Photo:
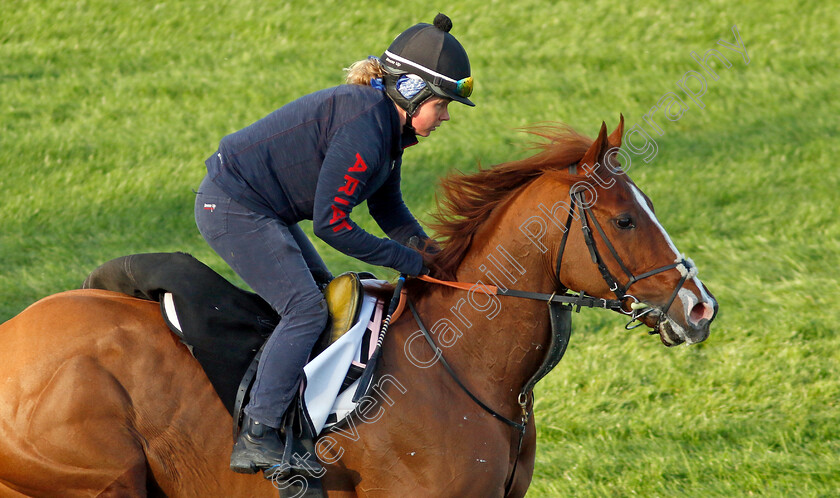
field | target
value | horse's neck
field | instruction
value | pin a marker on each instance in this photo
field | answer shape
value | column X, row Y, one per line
column 490, row 338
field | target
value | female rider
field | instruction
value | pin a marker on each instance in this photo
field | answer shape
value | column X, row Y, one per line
column 317, row 158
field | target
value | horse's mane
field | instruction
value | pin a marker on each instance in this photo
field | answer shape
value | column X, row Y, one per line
column 469, row 199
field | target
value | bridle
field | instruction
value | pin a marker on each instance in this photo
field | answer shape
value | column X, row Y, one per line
column 682, row 264
column 560, row 307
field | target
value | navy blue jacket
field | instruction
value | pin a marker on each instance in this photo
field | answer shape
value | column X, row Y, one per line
column 317, row 158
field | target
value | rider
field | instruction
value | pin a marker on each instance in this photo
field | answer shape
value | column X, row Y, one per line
column 317, row 158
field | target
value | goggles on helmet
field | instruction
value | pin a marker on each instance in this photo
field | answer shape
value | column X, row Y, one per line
column 464, row 86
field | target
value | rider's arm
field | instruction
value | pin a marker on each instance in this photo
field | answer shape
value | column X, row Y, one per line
column 349, row 170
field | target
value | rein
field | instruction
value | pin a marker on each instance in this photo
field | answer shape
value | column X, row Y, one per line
column 580, row 300
column 559, row 306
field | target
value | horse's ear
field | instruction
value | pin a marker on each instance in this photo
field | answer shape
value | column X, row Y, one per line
column 615, row 137
column 598, row 148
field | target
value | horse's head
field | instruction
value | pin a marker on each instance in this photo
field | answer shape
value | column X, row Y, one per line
column 616, row 248
column 605, row 240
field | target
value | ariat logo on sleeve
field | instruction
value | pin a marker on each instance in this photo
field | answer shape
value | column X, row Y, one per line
column 340, row 202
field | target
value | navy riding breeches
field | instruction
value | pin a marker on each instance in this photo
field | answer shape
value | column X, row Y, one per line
column 278, row 262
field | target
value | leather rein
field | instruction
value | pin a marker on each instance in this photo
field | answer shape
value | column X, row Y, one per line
column 560, row 306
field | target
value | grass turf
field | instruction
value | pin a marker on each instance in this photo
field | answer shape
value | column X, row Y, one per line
column 108, row 109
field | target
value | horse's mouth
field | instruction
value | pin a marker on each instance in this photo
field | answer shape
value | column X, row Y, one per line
column 671, row 332
column 667, row 334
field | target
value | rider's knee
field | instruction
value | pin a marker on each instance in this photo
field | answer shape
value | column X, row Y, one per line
column 314, row 311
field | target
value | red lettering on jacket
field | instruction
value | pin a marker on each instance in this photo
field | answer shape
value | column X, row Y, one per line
column 359, row 165
column 349, row 186
column 341, row 225
column 348, row 189
column 337, row 215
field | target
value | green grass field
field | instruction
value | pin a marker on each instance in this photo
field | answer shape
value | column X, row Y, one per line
column 109, row 108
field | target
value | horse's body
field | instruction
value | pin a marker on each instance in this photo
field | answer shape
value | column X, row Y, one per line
column 90, row 380
column 99, row 398
column 122, row 408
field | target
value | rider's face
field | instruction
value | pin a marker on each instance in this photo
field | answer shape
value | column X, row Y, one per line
column 430, row 115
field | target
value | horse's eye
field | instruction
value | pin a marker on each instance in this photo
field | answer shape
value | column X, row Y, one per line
column 624, row 222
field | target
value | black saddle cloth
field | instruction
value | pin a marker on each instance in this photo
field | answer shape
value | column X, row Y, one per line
column 225, row 325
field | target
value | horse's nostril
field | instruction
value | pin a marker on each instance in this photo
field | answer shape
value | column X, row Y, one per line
column 701, row 311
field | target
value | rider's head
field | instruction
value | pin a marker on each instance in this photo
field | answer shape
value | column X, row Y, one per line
column 426, row 61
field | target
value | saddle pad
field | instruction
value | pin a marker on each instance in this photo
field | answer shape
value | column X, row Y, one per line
column 326, row 374
column 222, row 325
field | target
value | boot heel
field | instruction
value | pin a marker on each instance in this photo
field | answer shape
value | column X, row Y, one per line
column 242, row 465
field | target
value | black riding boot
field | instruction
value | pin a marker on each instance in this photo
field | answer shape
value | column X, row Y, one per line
column 257, row 447
column 261, row 447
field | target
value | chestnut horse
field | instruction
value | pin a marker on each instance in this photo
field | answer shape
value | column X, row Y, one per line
column 99, row 398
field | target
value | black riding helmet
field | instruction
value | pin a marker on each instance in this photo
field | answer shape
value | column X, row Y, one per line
column 429, row 52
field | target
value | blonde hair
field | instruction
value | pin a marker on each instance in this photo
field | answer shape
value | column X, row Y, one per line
column 361, row 72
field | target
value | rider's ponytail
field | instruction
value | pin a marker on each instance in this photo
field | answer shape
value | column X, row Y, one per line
column 361, row 72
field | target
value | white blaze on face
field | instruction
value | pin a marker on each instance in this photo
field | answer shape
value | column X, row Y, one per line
column 687, row 298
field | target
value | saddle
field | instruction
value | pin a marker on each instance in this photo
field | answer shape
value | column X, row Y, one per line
column 225, row 327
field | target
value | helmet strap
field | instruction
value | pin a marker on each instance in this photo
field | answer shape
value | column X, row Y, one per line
column 411, row 105
column 408, row 127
